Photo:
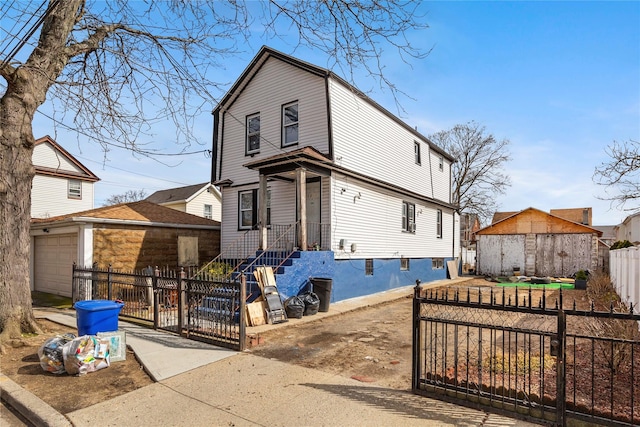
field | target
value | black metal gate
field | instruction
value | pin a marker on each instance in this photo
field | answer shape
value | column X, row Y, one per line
column 505, row 352
column 199, row 307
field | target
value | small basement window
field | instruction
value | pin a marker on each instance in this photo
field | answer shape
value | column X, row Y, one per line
column 404, row 264
column 437, row 263
column 368, row 267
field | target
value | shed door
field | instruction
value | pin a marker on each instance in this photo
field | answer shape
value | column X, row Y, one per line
column 53, row 263
column 499, row 254
column 561, row 255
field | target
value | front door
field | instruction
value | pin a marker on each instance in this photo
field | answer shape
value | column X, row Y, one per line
column 314, row 201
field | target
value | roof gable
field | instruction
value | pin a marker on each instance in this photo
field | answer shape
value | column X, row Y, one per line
column 180, row 194
column 535, row 221
column 267, row 53
column 63, row 165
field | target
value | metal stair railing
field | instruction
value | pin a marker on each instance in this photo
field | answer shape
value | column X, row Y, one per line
column 234, row 255
column 275, row 258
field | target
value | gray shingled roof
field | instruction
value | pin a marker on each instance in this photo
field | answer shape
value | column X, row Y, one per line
column 175, row 194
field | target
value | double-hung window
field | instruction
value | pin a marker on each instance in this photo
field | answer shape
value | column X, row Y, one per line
column 439, row 224
column 248, row 209
column 290, row 124
column 408, row 217
column 74, row 189
column 208, row 211
column 253, row 134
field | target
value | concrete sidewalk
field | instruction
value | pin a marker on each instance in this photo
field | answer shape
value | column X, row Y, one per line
column 199, row 384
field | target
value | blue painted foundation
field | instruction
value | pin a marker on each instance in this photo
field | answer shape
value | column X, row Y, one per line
column 310, row 264
column 349, row 279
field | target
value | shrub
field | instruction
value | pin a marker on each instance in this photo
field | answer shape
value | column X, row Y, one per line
column 621, row 244
column 521, row 363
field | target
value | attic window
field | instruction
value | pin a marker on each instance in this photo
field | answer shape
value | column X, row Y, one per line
column 208, row 211
column 74, row 189
column 441, row 163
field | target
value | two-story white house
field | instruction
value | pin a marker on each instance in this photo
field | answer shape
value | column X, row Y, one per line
column 61, row 184
column 202, row 200
column 310, row 166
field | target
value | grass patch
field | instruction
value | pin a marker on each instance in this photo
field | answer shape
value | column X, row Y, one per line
column 537, row 285
column 42, row 299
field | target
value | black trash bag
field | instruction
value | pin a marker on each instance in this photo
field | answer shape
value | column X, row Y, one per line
column 311, row 303
column 294, row 306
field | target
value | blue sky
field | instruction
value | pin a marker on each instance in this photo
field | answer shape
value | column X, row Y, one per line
column 560, row 80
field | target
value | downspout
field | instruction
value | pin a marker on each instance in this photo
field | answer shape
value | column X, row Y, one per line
column 214, row 146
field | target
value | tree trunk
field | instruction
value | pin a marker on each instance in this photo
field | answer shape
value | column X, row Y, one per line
column 27, row 87
column 16, row 174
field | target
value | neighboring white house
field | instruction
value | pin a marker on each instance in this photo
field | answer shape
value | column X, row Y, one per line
column 377, row 211
column 630, row 229
column 202, row 200
column 61, row 184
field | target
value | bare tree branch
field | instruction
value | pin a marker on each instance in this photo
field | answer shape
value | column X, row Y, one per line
column 621, row 174
column 477, row 173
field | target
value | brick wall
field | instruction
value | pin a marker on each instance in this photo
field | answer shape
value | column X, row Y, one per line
column 129, row 248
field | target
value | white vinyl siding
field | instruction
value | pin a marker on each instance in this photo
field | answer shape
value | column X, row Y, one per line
column 369, row 142
column 276, row 84
column 195, row 206
column 368, row 222
column 45, row 155
column 49, row 197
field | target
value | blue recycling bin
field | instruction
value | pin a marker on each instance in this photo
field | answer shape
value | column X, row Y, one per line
column 95, row 316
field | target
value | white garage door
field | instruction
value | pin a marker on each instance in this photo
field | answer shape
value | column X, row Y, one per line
column 54, row 258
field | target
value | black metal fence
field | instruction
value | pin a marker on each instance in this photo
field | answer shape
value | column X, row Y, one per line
column 514, row 353
column 198, row 306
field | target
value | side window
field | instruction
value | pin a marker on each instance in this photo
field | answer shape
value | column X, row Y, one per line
column 416, row 152
column 253, row 134
column 208, row 211
column 437, row 263
column 290, row 124
column 408, row 217
column 439, row 224
column 74, row 189
column 441, row 163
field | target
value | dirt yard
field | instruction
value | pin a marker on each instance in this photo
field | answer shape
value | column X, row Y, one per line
column 64, row 392
column 370, row 345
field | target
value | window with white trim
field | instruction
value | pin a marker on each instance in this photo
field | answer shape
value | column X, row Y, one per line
column 248, row 209
column 437, row 263
column 416, row 152
column 290, row 124
column 404, row 264
column 441, row 163
column 253, row 134
column 208, row 211
column 74, row 189
column 439, row 224
column 408, row 217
